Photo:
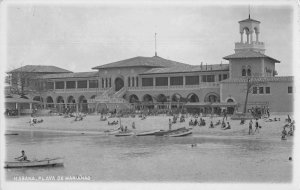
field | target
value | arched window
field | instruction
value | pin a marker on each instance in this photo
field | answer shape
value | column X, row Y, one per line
column 249, row 71
column 128, row 81
column 243, row 71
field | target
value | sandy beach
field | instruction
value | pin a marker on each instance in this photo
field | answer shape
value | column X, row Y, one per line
column 91, row 124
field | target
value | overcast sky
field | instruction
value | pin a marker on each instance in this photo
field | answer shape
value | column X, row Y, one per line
column 81, row 37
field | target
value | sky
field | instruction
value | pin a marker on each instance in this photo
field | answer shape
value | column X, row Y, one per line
column 79, row 37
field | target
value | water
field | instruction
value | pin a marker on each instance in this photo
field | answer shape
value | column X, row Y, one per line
column 154, row 159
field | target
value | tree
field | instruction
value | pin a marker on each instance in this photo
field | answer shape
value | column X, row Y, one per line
column 23, row 83
column 251, row 83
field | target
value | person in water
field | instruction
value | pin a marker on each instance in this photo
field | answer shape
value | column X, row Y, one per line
column 23, row 157
column 170, row 124
column 211, row 125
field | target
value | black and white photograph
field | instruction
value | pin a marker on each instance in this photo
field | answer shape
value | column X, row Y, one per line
column 149, row 94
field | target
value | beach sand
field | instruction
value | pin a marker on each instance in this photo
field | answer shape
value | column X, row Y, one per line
column 91, row 124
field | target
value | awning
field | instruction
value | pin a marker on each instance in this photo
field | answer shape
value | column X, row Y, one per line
column 209, row 104
column 198, row 104
column 224, row 104
column 19, row 100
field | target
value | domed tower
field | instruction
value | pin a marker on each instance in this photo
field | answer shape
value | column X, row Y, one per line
column 250, row 28
column 249, row 58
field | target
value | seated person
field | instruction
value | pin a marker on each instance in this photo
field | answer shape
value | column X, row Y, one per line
column 23, row 157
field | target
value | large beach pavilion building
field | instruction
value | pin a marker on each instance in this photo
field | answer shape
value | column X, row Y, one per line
column 158, row 83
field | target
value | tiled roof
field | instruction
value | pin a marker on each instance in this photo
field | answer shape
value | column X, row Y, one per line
column 188, row 68
column 40, row 69
column 70, row 75
column 260, row 79
column 154, row 61
column 249, row 19
column 249, row 54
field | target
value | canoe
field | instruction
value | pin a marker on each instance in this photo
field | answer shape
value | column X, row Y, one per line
column 35, row 163
column 123, row 134
column 112, row 131
column 163, row 132
column 146, row 133
column 180, row 133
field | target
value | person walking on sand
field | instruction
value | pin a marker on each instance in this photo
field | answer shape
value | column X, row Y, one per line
column 250, row 127
column 256, row 126
column 170, row 124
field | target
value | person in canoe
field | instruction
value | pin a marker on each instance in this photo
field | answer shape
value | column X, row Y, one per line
column 23, row 157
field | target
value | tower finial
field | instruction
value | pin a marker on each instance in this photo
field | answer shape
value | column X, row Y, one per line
column 249, row 10
column 155, row 45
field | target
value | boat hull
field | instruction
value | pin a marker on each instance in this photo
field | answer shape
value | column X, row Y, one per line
column 181, row 134
column 36, row 163
column 163, row 133
column 148, row 133
column 124, row 134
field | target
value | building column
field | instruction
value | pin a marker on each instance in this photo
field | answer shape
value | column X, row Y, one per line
column 183, row 81
column 242, row 40
column 88, row 84
column 154, row 82
column 30, row 106
column 76, row 85
column 248, row 38
column 54, row 86
column 256, row 34
column 169, row 82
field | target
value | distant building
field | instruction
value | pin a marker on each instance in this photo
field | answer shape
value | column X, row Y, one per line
column 158, row 83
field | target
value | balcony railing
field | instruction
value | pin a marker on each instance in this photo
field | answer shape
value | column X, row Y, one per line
column 201, row 85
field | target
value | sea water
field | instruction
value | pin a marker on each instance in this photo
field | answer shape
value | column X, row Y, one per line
column 107, row 158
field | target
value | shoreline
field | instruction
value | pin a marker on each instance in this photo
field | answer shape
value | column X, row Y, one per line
column 92, row 125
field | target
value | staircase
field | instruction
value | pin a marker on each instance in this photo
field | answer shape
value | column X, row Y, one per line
column 112, row 99
column 120, row 93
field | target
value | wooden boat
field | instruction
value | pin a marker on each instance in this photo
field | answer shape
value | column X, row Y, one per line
column 35, row 163
column 112, row 131
column 147, row 133
column 163, row 132
column 123, row 134
column 180, row 133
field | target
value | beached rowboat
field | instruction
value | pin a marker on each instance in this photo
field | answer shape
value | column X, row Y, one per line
column 163, row 132
column 147, row 133
column 180, row 133
column 35, row 163
column 123, row 134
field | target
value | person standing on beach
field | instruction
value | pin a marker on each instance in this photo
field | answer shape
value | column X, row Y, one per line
column 256, row 126
column 170, row 124
column 225, row 115
column 250, row 127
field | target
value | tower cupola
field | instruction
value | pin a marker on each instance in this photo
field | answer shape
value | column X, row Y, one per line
column 249, row 29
